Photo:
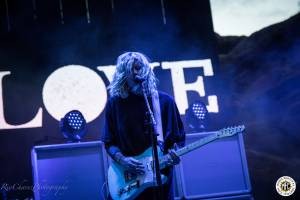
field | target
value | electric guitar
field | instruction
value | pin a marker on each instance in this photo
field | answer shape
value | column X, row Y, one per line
column 126, row 185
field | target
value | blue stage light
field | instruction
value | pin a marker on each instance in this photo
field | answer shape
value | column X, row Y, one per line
column 73, row 126
column 196, row 117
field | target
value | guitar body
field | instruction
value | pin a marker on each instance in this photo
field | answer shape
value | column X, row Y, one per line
column 125, row 185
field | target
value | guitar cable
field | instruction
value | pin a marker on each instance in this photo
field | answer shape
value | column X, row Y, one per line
column 102, row 190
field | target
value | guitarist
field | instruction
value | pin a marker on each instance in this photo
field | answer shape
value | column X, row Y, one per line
column 126, row 133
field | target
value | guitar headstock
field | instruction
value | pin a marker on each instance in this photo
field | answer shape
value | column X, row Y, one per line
column 230, row 131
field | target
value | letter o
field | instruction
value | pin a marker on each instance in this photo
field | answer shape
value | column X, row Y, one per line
column 74, row 87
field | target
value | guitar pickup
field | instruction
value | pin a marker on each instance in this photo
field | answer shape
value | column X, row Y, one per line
column 128, row 176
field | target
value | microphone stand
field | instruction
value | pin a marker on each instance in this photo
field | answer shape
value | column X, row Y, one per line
column 154, row 134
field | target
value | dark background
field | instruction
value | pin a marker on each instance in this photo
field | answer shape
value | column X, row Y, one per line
column 256, row 78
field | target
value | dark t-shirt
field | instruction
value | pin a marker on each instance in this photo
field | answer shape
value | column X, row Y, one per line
column 126, row 128
column 125, row 124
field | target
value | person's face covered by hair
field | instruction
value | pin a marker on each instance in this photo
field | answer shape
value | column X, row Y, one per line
column 129, row 65
column 136, row 68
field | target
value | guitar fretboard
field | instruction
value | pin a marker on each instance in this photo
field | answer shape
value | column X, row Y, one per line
column 225, row 132
column 190, row 147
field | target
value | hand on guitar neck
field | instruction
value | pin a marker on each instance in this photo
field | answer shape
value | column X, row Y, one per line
column 173, row 158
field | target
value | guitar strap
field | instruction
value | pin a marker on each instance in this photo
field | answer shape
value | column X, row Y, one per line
column 157, row 116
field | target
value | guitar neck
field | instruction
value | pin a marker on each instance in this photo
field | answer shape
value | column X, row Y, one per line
column 188, row 148
column 195, row 145
column 225, row 132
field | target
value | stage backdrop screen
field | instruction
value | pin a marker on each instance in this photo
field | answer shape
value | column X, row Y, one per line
column 56, row 56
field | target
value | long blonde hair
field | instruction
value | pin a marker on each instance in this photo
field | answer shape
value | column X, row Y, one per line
column 118, row 86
